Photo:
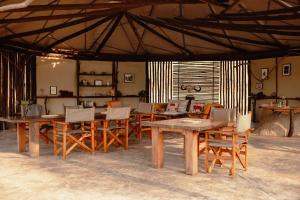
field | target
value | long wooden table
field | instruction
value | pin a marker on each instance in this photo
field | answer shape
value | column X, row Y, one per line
column 285, row 109
column 34, row 124
column 190, row 128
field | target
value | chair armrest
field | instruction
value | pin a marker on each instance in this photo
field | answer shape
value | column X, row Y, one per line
column 60, row 122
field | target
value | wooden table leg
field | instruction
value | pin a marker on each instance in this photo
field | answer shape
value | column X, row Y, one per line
column 191, row 152
column 34, row 139
column 157, row 148
column 291, row 129
column 21, row 137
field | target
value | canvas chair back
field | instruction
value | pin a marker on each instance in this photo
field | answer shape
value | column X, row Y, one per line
column 118, row 113
column 80, row 114
column 114, row 104
column 243, row 123
column 33, row 110
column 208, row 107
column 222, row 114
column 72, row 107
column 144, row 108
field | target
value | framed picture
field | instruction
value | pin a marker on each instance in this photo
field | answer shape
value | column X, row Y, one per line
column 286, row 69
column 259, row 86
column 98, row 82
column 53, row 90
column 264, row 73
column 128, row 78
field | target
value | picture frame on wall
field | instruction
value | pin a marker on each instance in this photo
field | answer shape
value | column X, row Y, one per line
column 264, row 73
column 128, row 78
column 286, row 69
column 259, row 86
column 53, row 90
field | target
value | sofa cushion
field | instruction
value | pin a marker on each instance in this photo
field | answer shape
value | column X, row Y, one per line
column 196, row 106
column 182, row 107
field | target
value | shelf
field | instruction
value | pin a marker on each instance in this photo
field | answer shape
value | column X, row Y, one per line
column 81, row 74
column 95, row 85
column 56, row 97
column 95, row 96
column 128, row 96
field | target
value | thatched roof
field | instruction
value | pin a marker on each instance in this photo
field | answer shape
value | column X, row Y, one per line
column 154, row 29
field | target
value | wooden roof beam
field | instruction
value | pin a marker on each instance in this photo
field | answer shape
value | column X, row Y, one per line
column 207, row 39
column 259, row 13
column 109, row 33
column 87, row 29
column 124, row 4
column 236, row 38
column 51, row 28
column 137, row 20
column 267, row 29
column 64, row 16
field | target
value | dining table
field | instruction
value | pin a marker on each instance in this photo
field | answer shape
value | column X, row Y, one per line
column 190, row 129
column 34, row 124
column 284, row 109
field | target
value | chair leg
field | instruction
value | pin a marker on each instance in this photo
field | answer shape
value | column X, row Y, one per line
column 206, row 152
column 93, row 144
column 104, row 140
column 126, row 135
column 246, row 156
column 55, row 142
column 232, row 169
column 64, row 145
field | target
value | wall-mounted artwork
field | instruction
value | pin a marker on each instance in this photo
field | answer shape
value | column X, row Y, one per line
column 128, row 78
column 286, row 69
column 53, row 90
column 264, row 73
column 259, row 86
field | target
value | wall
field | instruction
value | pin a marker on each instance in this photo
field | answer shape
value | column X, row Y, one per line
column 285, row 83
column 63, row 75
column 276, row 124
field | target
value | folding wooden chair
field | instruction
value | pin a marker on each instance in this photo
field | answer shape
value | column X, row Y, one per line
column 217, row 114
column 36, row 110
column 114, row 104
column 65, row 139
column 235, row 145
column 144, row 113
column 114, row 128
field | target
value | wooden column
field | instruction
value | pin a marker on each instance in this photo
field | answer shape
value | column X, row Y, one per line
column 157, row 148
column 291, row 129
column 276, row 78
column 191, row 152
column 34, row 139
column 21, row 137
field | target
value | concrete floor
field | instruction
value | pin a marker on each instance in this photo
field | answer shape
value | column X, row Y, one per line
column 274, row 173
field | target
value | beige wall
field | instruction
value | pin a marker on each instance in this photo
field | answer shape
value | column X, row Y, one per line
column 288, row 86
column 63, row 75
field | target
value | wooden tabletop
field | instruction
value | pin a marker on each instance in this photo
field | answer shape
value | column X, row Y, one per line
column 46, row 118
column 187, row 123
column 276, row 108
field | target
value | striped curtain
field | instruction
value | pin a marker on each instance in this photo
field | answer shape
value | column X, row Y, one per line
column 160, row 81
column 17, row 72
column 234, row 85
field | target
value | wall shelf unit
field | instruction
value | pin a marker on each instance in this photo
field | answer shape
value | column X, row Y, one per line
column 86, row 88
column 101, row 74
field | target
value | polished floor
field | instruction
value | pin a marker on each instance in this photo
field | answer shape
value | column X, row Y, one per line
column 273, row 174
